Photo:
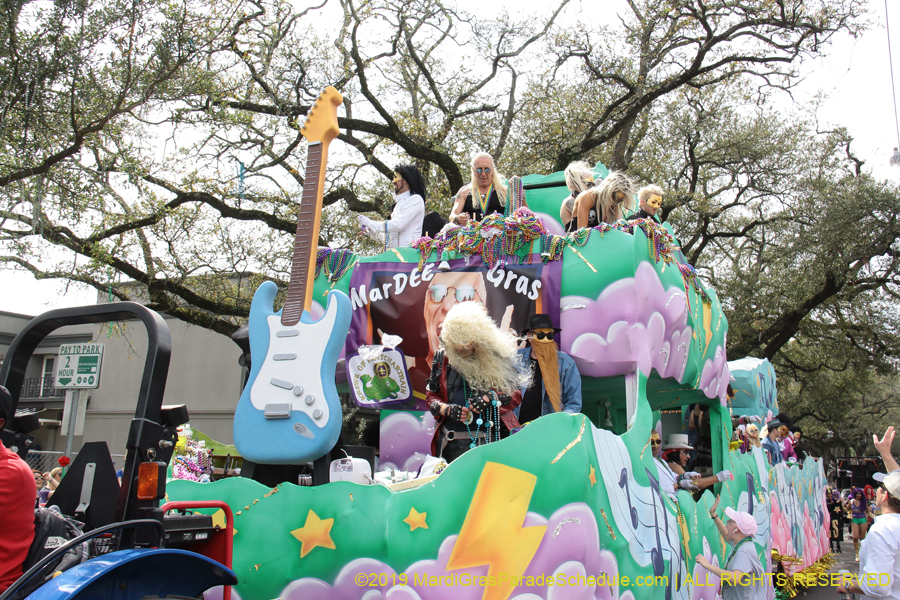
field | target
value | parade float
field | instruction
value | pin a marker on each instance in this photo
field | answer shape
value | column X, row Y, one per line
column 570, row 506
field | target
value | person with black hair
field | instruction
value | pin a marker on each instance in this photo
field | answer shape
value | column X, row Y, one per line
column 408, row 214
column 17, row 496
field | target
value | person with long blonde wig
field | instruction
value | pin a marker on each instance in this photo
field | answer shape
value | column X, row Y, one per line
column 753, row 435
column 579, row 177
column 484, row 195
column 475, row 382
column 604, row 203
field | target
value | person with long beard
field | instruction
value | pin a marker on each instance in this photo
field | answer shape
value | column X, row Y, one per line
column 475, row 383
column 556, row 384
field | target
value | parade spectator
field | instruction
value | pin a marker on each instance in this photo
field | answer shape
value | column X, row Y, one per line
column 406, row 222
column 884, row 449
column 555, row 384
column 649, row 204
column 879, row 557
column 603, row 203
column 579, row 177
column 678, row 457
column 475, row 382
column 742, row 578
column 17, row 499
column 42, row 492
column 770, row 444
column 484, row 195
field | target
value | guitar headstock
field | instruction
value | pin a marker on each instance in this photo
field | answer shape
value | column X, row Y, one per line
column 321, row 121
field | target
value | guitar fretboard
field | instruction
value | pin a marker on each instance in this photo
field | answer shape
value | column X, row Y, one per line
column 303, row 239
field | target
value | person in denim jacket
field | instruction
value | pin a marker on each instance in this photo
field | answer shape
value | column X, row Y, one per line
column 556, row 384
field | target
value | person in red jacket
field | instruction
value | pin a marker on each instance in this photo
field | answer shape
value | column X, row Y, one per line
column 475, row 383
column 17, row 494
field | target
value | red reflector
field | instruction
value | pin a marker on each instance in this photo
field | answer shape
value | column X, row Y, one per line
column 148, row 478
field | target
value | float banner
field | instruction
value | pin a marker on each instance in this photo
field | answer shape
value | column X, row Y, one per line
column 395, row 298
column 379, row 380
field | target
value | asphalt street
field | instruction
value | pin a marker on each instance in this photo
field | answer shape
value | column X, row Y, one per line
column 843, row 560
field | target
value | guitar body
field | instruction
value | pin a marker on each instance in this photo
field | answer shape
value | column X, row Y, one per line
column 289, row 411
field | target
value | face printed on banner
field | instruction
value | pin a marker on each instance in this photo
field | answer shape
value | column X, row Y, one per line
column 652, row 205
column 483, row 169
column 399, row 184
column 444, row 291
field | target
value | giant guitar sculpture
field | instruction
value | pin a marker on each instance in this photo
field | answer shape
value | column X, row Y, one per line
column 289, row 411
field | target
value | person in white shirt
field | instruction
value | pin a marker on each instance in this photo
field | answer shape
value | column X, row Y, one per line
column 879, row 556
column 405, row 224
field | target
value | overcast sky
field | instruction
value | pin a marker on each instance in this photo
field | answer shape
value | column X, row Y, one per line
column 855, row 75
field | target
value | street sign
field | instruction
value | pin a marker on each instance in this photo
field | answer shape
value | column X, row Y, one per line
column 78, row 366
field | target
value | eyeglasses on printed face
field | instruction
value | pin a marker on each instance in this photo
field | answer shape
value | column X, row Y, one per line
column 485, row 170
column 544, row 336
column 438, row 292
column 655, row 442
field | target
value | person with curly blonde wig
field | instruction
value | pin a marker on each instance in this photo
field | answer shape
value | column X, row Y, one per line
column 604, row 203
column 475, row 382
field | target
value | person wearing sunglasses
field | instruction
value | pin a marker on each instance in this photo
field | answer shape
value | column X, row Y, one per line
column 484, row 195
column 556, row 383
column 405, row 224
column 677, row 453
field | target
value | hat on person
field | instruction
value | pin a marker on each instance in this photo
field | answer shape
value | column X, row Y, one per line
column 744, row 521
column 6, row 405
column 540, row 321
column 890, row 481
column 677, row 440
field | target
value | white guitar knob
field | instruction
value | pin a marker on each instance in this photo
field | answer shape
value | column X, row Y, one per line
column 298, row 390
column 317, row 414
column 309, row 400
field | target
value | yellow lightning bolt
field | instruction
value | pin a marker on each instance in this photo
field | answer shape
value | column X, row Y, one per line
column 492, row 533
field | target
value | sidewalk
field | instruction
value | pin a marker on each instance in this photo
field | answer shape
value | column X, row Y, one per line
column 843, row 560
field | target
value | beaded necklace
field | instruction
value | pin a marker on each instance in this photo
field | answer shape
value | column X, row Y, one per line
column 493, row 416
column 483, row 200
column 730, row 556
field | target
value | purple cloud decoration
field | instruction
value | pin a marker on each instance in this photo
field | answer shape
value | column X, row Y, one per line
column 571, row 547
column 637, row 324
column 405, row 440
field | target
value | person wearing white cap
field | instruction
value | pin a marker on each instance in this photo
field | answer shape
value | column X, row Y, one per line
column 743, row 577
column 879, row 557
column 677, row 462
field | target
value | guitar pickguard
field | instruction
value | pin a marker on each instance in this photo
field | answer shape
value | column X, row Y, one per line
column 289, row 412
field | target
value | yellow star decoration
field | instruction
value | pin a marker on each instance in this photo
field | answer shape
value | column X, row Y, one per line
column 593, row 476
column 315, row 532
column 218, row 520
column 415, row 520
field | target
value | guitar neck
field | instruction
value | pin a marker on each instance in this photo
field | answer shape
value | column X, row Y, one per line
column 306, row 239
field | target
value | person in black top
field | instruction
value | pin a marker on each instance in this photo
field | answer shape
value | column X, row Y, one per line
column 556, row 383
column 603, row 203
column 484, row 195
column 649, row 203
column 579, row 177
